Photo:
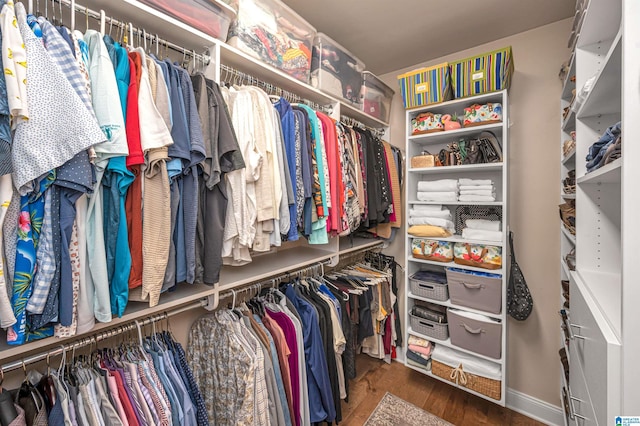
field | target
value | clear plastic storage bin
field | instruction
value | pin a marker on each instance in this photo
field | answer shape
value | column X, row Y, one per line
column 212, row 17
column 376, row 97
column 335, row 70
column 270, row 31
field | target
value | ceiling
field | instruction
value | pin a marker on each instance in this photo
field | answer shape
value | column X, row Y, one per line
column 390, row 35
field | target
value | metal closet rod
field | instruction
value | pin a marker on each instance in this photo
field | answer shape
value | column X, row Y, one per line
column 94, row 339
column 140, row 32
column 355, row 123
column 233, row 76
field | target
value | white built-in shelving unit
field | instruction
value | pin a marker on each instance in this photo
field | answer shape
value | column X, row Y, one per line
column 604, row 319
column 498, row 172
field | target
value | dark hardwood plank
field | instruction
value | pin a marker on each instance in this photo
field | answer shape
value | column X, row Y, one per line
column 375, row 378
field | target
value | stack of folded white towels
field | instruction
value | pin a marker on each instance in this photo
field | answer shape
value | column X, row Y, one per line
column 482, row 229
column 442, row 190
column 476, row 190
column 434, row 215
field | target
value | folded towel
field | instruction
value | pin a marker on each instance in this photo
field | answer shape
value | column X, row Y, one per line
column 443, row 214
column 437, row 196
column 483, row 224
column 429, row 207
column 438, row 185
column 419, row 341
column 429, row 231
column 474, row 182
column 469, row 198
column 481, row 234
column 425, row 352
column 476, row 187
column 412, row 356
column 421, row 367
column 478, row 192
column 434, row 221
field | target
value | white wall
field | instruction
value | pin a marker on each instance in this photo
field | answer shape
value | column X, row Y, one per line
column 532, row 360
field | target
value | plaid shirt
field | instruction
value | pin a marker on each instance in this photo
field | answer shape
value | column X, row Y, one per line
column 46, row 263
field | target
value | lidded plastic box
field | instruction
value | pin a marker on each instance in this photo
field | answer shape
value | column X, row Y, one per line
column 212, row 17
column 270, row 31
column 376, row 97
column 335, row 70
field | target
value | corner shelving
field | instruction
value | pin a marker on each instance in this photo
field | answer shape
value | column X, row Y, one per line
column 498, row 173
column 609, row 173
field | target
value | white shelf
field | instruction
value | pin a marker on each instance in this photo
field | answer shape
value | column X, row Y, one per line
column 458, row 203
column 453, row 135
column 348, row 245
column 569, row 85
column 568, row 196
column 609, row 173
column 606, row 290
column 569, row 235
column 472, row 392
column 458, row 105
column 459, row 239
column 449, row 304
column 455, row 265
column 600, row 99
column 601, row 22
column 448, row 344
column 457, row 169
column 571, row 156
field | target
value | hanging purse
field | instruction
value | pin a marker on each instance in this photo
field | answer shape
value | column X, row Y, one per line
column 519, row 300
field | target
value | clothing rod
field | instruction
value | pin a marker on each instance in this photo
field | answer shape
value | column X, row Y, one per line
column 97, row 337
column 355, row 123
column 231, row 75
column 128, row 27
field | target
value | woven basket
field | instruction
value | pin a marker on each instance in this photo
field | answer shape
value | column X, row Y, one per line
column 489, row 387
column 430, row 290
column 423, row 161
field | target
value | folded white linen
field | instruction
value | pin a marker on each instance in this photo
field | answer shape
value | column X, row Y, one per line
column 476, row 187
column 443, row 214
column 481, row 234
column 441, row 185
column 474, row 182
column 478, row 192
column 433, row 221
column 468, row 198
column 429, row 207
column 437, row 196
column 483, row 224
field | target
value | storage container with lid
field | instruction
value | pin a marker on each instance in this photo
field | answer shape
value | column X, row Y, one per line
column 376, row 97
column 489, row 72
column 335, row 70
column 270, row 31
column 212, row 17
column 425, row 86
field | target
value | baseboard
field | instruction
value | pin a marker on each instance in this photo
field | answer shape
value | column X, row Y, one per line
column 534, row 408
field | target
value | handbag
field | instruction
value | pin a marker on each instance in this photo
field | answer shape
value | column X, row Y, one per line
column 485, row 149
column 478, row 255
column 425, row 159
column 439, row 251
column 519, row 300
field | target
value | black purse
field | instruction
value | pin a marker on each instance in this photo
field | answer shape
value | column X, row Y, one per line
column 519, row 300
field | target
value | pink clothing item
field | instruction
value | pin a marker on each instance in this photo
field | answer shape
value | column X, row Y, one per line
column 421, row 350
column 115, row 397
column 335, row 174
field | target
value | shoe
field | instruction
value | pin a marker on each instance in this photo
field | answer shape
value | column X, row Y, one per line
column 570, row 258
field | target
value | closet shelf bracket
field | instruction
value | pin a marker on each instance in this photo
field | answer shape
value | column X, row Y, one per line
column 212, row 301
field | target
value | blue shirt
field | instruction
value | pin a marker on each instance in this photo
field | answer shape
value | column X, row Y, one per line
column 287, row 119
column 321, row 405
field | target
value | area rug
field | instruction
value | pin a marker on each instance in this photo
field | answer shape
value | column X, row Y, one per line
column 394, row 411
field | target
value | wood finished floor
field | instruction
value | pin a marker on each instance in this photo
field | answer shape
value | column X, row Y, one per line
column 375, row 377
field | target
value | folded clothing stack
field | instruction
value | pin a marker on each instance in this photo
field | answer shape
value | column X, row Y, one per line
column 419, row 352
column 438, row 190
column 476, row 190
column 482, row 229
column 426, row 219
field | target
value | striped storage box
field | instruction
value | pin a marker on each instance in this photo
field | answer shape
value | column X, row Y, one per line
column 489, row 72
column 425, row 86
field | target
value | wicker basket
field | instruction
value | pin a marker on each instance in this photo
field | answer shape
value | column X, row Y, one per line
column 439, row 331
column 489, row 387
column 423, row 161
column 430, row 290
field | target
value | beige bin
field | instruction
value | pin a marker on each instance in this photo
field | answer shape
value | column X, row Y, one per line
column 476, row 290
column 475, row 332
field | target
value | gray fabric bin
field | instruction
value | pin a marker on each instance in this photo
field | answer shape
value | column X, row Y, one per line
column 477, row 290
column 429, row 328
column 475, row 333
